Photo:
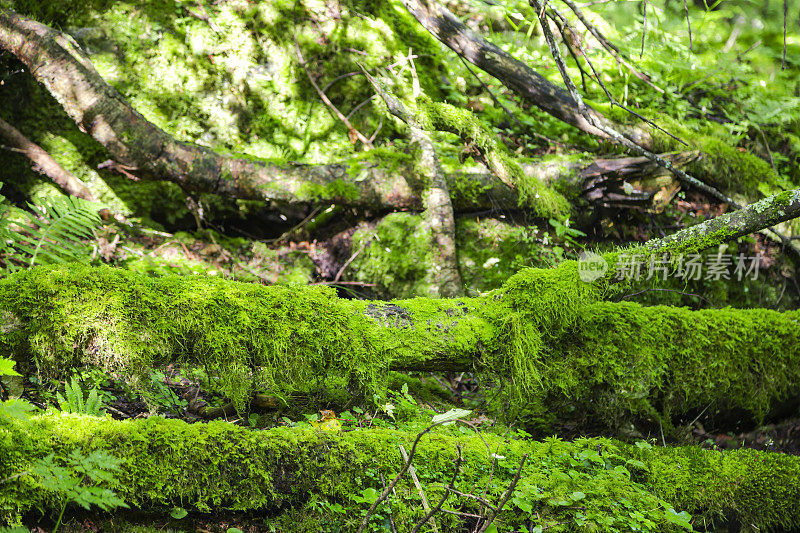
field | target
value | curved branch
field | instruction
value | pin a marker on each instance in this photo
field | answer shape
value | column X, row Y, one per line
column 513, row 73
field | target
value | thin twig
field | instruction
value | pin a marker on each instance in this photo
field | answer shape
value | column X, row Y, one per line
column 417, row 484
column 406, row 465
column 483, row 501
column 506, row 495
column 688, row 23
column 359, row 106
column 351, row 259
column 452, row 485
column 328, row 102
column 391, row 520
column 20, row 474
column 459, row 513
column 562, row 29
column 297, row 226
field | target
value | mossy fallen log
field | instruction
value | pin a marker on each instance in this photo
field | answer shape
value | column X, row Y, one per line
column 546, row 331
column 589, row 484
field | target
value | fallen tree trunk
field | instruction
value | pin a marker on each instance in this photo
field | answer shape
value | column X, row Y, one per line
column 544, row 331
column 537, row 330
column 146, row 152
column 216, row 466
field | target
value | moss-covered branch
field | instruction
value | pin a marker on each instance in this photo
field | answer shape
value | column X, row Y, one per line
column 750, row 219
column 375, row 181
column 443, row 272
column 546, row 331
column 594, row 483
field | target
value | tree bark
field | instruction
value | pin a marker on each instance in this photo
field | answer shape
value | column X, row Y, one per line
column 443, row 270
column 513, row 73
column 44, row 162
column 147, row 152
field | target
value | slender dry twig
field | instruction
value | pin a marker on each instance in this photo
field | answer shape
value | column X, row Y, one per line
column 615, row 135
column 614, row 101
column 688, row 23
column 391, row 520
column 505, row 496
column 406, row 465
column 327, row 101
column 351, row 259
column 483, row 501
column 20, row 474
column 644, row 27
column 417, row 484
column 359, row 106
column 438, row 506
column 462, row 514
column 562, row 29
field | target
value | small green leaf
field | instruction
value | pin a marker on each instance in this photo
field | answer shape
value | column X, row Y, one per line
column 178, row 512
column 7, row 367
column 370, row 495
column 451, row 416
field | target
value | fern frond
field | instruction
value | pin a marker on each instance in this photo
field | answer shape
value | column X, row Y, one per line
column 62, row 223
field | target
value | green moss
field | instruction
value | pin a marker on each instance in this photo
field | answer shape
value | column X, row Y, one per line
column 545, row 331
column 590, row 484
column 721, row 164
column 333, row 191
column 248, row 338
column 532, row 192
column 396, row 256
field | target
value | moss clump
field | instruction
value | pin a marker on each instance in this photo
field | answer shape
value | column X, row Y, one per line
column 249, row 335
column 533, row 193
column 396, row 255
column 721, row 164
column 590, row 484
column 533, row 311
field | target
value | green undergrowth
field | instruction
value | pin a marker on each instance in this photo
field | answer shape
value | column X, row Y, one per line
column 396, row 254
column 545, row 333
column 321, row 480
column 533, row 193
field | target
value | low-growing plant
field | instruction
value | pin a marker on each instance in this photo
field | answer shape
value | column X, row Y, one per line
column 79, row 480
column 74, row 401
